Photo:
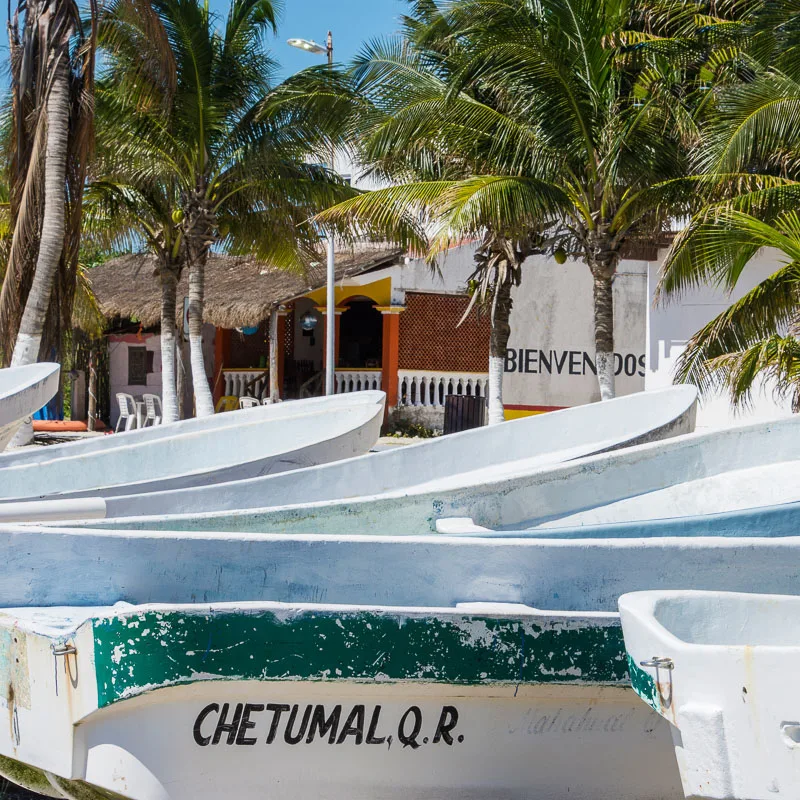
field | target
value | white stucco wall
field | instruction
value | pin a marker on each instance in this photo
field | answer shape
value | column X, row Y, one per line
column 449, row 275
column 118, row 367
column 671, row 324
column 552, row 336
column 553, row 312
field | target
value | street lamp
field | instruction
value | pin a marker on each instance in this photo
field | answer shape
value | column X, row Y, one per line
column 310, row 46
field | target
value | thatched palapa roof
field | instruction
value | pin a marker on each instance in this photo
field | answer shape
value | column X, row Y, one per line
column 239, row 290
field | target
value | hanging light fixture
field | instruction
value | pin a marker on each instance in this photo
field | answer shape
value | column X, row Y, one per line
column 308, row 321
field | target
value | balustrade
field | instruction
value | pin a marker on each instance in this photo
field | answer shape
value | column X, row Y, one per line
column 356, row 380
column 237, row 381
column 430, row 388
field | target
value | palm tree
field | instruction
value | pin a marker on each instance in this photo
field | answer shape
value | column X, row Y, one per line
column 525, row 122
column 193, row 108
column 121, row 215
column 52, row 65
column 752, row 128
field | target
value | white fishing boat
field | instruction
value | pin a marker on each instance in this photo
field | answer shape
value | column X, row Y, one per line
column 375, row 636
column 738, row 481
column 472, row 458
column 720, row 667
column 273, row 700
column 23, row 391
column 258, row 441
column 750, row 491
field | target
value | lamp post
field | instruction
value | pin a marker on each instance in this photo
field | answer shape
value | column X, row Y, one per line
column 311, row 46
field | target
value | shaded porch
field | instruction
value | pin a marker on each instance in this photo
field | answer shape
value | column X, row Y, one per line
column 367, row 341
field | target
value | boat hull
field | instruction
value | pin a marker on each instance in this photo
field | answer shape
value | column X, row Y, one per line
column 725, row 680
column 49, row 566
column 267, row 440
column 23, row 391
column 593, row 743
column 156, row 433
column 532, row 443
column 513, row 498
column 7, row 432
column 542, row 694
column 254, row 701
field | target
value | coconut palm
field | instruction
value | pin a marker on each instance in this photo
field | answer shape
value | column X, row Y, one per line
column 190, row 105
column 753, row 128
column 123, row 215
column 520, row 120
column 52, row 66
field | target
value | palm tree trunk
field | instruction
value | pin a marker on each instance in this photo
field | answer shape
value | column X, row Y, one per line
column 498, row 342
column 604, row 332
column 199, row 224
column 274, row 388
column 169, row 397
column 91, row 408
column 180, row 381
column 203, row 401
column 29, row 338
column 602, row 257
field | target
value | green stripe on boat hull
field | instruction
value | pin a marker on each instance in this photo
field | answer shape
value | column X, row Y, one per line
column 142, row 651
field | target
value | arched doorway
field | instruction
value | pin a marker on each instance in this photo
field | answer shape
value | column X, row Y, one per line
column 360, row 335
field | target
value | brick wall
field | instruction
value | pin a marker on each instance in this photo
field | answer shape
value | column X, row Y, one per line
column 429, row 338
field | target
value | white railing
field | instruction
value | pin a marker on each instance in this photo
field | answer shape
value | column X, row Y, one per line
column 428, row 388
column 238, row 380
column 356, row 380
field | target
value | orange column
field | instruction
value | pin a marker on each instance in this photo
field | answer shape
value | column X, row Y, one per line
column 222, row 353
column 390, row 362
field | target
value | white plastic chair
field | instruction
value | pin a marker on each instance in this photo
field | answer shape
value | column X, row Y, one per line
column 248, row 402
column 268, row 401
column 127, row 412
column 152, row 404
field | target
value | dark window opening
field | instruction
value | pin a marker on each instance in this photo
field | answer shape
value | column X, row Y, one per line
column 138, row 363
column 361, row 336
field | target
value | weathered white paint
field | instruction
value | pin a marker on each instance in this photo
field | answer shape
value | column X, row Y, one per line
column 23, row 391
column 604, row 363
column 51, row 568
column 241, row 444
column 508, row 738
column 731, row 695
column 495, row 390
column 517, row 737
column 469, row 459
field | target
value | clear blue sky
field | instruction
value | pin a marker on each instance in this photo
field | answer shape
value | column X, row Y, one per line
column 352, row 22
